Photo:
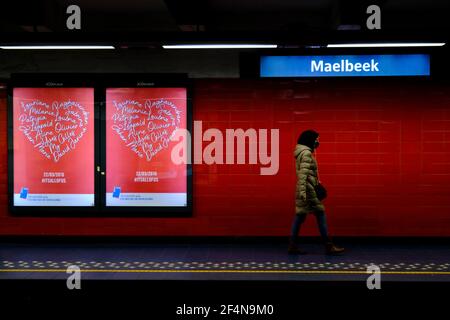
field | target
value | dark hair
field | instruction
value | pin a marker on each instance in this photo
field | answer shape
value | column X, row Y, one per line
column 307, row 138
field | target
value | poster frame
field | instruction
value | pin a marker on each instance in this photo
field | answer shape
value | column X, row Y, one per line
column 99, row 82
column 133, row 80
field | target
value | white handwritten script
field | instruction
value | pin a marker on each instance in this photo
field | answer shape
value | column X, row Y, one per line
column 146, row 128
column 54, row 129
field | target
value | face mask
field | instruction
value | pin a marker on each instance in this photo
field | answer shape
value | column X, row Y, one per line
column 316, row 144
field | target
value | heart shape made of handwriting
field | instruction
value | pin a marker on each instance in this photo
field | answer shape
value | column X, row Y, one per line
column 146, row 128
column 54, row 129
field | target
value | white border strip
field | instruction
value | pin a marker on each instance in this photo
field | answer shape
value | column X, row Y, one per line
column 147, row 200
column 55, row 200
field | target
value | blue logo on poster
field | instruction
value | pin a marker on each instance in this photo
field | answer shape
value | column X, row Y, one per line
column 116, row 192
column 346, row 65
column 23, row 193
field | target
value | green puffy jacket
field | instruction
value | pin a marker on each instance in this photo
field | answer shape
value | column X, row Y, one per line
column 306, row 200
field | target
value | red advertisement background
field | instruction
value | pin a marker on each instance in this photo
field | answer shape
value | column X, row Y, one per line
column 122, row 162
column 77, row 164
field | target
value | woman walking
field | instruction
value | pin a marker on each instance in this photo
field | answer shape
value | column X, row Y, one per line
column 309, row 193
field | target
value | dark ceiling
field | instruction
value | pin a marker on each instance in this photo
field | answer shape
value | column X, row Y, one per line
column 235, row 17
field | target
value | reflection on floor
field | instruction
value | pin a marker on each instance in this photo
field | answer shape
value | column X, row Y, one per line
column 397, row 262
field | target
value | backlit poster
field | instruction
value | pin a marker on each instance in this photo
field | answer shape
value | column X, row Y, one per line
column 139, row 125
column 53, row 146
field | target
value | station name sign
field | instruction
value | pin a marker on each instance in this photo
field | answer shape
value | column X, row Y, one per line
column 345, row 65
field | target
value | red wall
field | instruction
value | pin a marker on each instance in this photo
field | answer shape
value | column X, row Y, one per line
column 384, row 156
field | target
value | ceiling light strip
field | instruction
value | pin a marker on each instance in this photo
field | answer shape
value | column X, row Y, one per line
column 220, row 46
column 56, row 47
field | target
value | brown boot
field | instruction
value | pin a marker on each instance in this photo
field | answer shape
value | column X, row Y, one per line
column 294, row 249
column 331, row 249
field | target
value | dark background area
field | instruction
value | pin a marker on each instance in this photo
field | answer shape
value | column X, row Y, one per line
column 303, row 17
column 291, row 23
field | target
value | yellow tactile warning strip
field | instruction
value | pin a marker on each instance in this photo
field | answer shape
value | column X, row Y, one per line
column 230, row 271
column 226, row 267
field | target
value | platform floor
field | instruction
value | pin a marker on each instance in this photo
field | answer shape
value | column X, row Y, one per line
column 213, row 261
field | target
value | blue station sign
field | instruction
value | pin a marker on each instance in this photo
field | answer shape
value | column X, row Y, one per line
column 346, row 65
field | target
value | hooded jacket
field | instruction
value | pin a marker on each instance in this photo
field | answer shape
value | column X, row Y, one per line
column 306, row 200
